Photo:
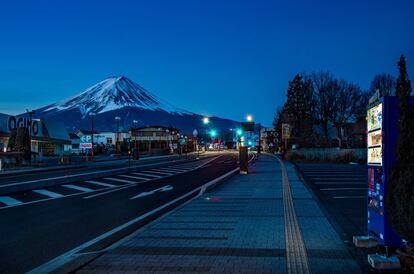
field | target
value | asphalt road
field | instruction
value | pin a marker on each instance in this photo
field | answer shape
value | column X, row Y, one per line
column 38, row 225
column 88, row 167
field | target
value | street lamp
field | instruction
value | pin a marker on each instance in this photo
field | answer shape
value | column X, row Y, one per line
column 92, row 115
column 117, row 119
column 135, row 122
column 249, row 118
column 206, row 121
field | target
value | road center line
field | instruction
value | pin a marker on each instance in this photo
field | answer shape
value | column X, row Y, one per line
column 145, row 174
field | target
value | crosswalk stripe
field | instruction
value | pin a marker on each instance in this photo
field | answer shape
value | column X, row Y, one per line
column 120, row 180
column 145, row 174
column 81, row 188
column 48, row 193
column 134, row 177
column 99, row 183
column 9, row 201
column 159, row 172
column 174, row 169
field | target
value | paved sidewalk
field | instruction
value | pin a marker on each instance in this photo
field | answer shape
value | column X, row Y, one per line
column 264, row 222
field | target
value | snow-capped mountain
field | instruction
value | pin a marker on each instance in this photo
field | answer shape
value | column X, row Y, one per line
column 119, row 96
column 111, row 94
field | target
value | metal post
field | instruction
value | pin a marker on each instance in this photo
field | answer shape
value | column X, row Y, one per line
column 30, row 134
column 92, row 138
column 260, row 139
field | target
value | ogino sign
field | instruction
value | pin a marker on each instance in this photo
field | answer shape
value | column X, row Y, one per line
column 8, row 123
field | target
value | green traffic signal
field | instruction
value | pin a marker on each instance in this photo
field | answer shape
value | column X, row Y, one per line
column 213, row 133
column 239, row 132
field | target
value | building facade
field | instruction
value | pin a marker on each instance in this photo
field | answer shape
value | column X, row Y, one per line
column 47, row 137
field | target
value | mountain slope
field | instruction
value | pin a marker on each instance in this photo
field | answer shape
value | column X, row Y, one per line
column 119, row 96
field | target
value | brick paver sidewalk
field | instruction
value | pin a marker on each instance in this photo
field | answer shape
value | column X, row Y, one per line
column 264, row 222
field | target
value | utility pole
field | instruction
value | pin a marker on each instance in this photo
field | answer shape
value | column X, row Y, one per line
column 260, row 139
column 92, row 114
column 30, row 134
column 117, row 118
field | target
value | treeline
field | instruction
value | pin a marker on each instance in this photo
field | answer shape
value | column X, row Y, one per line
column 318, row 102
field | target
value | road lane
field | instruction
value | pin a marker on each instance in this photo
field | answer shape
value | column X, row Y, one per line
column 36, row 233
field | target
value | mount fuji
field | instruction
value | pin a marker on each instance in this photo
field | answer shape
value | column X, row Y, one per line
column 119, row 96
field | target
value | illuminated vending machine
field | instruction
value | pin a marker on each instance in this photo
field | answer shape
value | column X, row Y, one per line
column 381, row 141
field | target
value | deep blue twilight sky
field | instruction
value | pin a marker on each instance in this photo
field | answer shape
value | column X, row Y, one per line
column 224, row 58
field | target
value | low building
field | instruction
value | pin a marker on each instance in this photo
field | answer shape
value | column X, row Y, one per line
column 47, row 137
column 152, row 139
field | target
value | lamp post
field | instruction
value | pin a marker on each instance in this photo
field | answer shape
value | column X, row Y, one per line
column 167, row 131
column 117, row 119
column 30, row 134
column 206, row 121
column 135, row 122
column 92, row 115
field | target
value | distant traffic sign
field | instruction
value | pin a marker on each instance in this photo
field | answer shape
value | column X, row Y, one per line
column 247, row 126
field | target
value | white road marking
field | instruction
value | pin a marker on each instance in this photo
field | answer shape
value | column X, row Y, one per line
column 120, row 180
column 48, row 193
column 349, row 197
column 99, row 183
column 108, row 191
column 9, row 201
column 174, row 169
column 145, row 174
column 81, row 188
column 134, row 177
column 161, row 173
column 161, row 189
column 343, row 188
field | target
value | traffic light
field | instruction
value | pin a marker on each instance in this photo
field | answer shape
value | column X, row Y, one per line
column 213, row 133
column 239, row 132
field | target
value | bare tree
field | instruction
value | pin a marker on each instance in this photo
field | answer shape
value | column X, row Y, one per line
column 384, row 83
column 350, row 102
column 325, row 87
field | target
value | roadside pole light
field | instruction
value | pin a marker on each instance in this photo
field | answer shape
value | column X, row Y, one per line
column 206, row 120
column 135, row 122
column 249, row 118
column 117, row 119
column 92, row 114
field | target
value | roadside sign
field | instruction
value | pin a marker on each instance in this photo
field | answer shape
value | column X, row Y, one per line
column 247, row 126
column 195, row 132
column 85, row 142
column 286, row 131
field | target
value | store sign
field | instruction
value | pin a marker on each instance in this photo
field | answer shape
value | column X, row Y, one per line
column 286, row 131
column 85, row 142
column 8, row 123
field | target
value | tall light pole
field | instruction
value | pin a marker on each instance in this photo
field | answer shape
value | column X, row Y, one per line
column 135, row 122
column 92, row 114
column 30, row 134
column 206, row 121
column 117, row 119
